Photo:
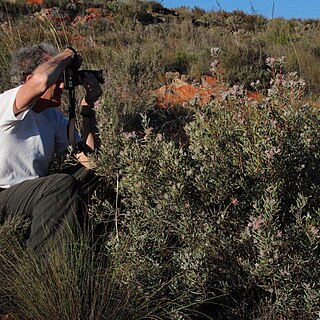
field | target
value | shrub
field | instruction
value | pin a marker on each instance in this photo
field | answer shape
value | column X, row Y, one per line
column 245, row 63
column 282, row 31
column 182, row 62
column 215, row 219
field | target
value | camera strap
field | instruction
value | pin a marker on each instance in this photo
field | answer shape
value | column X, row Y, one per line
column 72, row 119
column 69, row 74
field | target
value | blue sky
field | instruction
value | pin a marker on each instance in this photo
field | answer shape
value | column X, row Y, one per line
column 282, row 8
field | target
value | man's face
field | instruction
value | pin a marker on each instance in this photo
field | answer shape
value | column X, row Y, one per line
column 52, row 96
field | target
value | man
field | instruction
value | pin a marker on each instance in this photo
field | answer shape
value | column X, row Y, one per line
column 32, row 130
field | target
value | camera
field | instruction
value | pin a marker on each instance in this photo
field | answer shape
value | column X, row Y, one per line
column 73, row 77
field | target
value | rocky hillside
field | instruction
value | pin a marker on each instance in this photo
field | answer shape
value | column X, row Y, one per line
column 77, row 11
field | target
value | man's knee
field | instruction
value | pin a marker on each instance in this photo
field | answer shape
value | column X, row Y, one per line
column 65, row 183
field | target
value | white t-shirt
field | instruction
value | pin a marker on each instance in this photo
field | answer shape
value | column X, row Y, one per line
column 28, row 141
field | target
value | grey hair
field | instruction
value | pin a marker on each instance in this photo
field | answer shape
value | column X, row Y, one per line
column 25, row 60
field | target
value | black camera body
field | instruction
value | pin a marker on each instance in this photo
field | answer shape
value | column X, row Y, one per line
column 73, row 77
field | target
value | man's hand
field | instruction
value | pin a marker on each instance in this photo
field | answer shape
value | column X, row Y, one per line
column 90, row 131
column 93, row 90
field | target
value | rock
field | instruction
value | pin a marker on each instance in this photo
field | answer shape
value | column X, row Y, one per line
column 54, row 14
column 32, row 2
column 171, row 76
column 178, row 91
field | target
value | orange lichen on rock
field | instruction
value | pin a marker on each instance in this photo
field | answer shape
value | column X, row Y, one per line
column 208, row 81
column 92, row 14
column 179, row 92
column 38, row 2
column 255, row 96
column 95, row 11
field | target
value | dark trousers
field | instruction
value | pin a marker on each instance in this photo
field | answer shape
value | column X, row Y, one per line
column 50, row 206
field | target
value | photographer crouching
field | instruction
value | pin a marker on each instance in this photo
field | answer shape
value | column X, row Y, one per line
column 32, row 130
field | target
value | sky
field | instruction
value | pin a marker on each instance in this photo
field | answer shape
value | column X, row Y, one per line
column 287, row 9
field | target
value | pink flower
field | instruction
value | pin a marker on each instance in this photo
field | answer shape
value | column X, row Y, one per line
column 234, row 201
column 256, row 223
column 129, row 135
column 314, row 230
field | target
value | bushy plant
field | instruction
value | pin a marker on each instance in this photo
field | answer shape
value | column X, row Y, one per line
column 245, row 63
column 283, row 31
column 215, row 219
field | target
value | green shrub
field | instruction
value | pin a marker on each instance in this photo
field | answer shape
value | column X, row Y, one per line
column 215, row 219
column 281, row 31
column 182, row 62
column 245, row 63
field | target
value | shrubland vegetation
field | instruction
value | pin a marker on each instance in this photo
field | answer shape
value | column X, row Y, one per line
column 215, row 213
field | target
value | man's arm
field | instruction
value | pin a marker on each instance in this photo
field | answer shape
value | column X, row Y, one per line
column 90, row 131
column 42, row 78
